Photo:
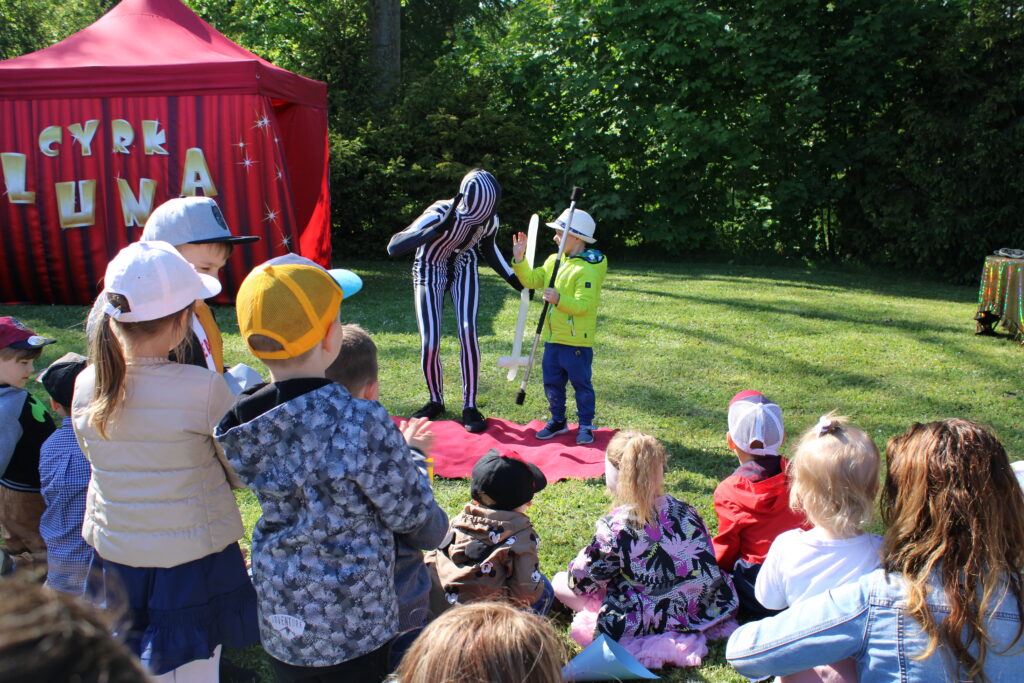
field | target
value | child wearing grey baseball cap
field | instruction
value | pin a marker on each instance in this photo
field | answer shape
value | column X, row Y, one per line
column 196, row 227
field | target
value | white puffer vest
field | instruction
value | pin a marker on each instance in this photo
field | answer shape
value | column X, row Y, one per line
column 160, row 494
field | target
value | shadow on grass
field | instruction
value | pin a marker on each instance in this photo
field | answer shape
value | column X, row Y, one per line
column 826, row 279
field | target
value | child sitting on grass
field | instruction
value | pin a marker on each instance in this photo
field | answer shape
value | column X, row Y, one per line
column 650, row 562
column 834, row 479
column 486, row 641
column 355, row 368
column 490, row 551
column 752, row 503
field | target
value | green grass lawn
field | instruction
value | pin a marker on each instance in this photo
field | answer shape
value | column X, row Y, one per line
column 674, row 343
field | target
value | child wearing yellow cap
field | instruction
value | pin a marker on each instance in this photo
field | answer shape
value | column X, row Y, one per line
column 335, row 479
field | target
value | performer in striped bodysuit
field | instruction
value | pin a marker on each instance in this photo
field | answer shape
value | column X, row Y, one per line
column 447, row 239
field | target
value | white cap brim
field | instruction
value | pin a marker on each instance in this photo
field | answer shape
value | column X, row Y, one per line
column 210, row 286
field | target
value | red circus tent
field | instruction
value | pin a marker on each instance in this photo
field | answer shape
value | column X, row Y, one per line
column 148, row 103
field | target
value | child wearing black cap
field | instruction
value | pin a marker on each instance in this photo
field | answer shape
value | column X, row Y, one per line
column 64, row 476
column 491, row 548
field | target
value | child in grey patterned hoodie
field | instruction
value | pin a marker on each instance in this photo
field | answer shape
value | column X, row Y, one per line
column 334, row 477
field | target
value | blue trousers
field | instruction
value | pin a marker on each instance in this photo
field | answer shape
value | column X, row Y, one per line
column 543, row 604
column 569, row 363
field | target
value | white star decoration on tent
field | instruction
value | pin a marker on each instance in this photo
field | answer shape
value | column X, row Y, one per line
column 263, row 122
column 279, row 174
column 247, row 163
column 270, row 215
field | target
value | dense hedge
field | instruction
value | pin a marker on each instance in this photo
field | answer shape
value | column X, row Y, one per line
column 881, row 132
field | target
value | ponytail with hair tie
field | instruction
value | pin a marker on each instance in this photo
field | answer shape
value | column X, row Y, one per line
column 827, row 424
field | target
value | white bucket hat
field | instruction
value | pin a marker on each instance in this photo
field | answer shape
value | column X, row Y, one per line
column 156, row 280
column 583, row 225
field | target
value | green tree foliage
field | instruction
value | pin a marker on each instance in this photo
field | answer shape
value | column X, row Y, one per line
column 882, row 132
column 30, row 25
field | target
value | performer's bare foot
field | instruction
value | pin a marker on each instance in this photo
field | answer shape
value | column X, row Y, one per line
column 430, row 411
column 473, row 420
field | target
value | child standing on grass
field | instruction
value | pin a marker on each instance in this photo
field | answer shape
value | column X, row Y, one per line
column 834, row 480
column 650, row 562
column 752, row 503
column 24, row 426
column 571, row 321
column 159, row 511
column 196, row 227
column 335, row 481
column 64, row 474
column 356, row 369
column 490, row 551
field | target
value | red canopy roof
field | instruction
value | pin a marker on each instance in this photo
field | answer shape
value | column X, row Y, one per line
column 151, row 47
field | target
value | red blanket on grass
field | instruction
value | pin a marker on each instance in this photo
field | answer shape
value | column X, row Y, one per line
column 456, row 450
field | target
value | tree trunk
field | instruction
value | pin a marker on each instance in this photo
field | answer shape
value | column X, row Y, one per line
column 386, row 48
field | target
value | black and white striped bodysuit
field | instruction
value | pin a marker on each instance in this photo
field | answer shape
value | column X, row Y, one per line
column 446, row 261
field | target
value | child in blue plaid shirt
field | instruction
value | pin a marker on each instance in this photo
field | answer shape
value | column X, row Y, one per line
column 64, row 475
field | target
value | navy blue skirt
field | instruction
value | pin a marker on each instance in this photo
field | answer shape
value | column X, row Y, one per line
column 180, row 614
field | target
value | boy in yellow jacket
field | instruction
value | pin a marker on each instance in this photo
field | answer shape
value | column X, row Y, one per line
column 571, row 320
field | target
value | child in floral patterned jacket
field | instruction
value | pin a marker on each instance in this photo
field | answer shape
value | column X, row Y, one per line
column 650, row 568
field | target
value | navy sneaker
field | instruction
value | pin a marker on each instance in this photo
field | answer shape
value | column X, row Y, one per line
column 585, row 435
column 552, row 429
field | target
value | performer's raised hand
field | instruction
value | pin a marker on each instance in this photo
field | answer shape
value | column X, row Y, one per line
column 417, row 434
column 518, row 246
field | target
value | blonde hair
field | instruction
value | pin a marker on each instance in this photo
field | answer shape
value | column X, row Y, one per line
column 833, row 476
column 108, row 359
column 954, row 515
column 490, row 642
column 641, row 461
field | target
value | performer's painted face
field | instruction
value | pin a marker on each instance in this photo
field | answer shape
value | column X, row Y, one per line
column 480, row 194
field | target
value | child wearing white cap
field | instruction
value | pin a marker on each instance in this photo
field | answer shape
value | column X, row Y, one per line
column 159, row 510
column 571, row 321
column 752, row 503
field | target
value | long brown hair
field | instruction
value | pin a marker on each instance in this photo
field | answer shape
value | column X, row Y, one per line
column 108, row 359
column 640, row 459
column 954, row 511
column 485, row 641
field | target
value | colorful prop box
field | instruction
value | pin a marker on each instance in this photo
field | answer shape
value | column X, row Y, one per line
column 149, row 103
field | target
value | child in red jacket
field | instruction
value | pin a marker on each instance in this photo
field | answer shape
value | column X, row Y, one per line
column 752, row 503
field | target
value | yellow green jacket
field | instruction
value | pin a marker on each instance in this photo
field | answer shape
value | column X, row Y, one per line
column 574, row 320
